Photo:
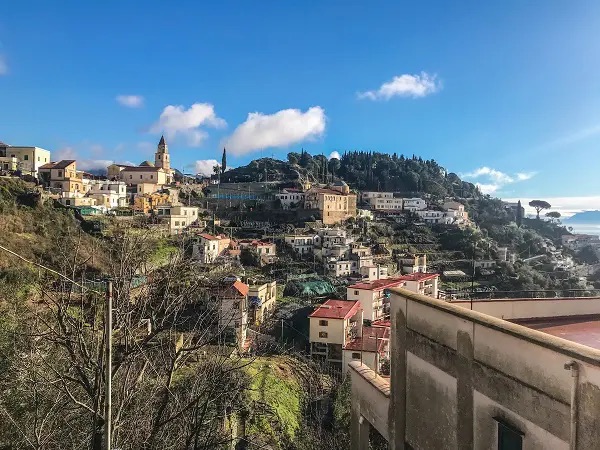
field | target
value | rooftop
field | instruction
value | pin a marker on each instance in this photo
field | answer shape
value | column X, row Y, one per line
column 373, row 338
column 336, row 309
column 420, row 276
column 583, row 330
column 209, row 237
column 379, row 284
column 63, row 164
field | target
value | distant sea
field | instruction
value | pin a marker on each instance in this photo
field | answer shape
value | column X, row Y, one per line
column 584, row 228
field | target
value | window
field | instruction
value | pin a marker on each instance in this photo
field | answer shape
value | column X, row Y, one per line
column 355, row 292
column 151, row 177
column 322, row 334
column 323, row 323
column 509, row 438
column 130, row 177
column 60, row 173
column 355, row 355
column 177, row 223
column 26, row 157
column 236, row 305
column 38, row 159
column 67, row 202
column 141, row 176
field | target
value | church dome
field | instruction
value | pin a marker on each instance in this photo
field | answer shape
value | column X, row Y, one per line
column 146, row 164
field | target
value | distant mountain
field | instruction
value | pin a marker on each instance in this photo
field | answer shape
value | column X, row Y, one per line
column 585, row 217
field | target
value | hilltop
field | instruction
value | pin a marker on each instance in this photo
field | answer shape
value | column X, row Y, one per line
column 365, row 171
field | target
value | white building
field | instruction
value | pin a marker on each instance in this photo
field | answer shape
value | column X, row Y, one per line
column 371, row 197
column 373, row 297
column 414, row 204
column 301, row 244
column 206, row 248
column 291, row 198
column 111, row 194
column 388, row 204
column 422, row 283
column 25, row 159
column 434, row 217
column 457, row 211
column 179, row 216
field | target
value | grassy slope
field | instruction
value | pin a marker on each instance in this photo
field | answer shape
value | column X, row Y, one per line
column 273, row 383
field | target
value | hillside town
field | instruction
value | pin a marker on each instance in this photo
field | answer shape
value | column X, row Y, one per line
column 361, row 283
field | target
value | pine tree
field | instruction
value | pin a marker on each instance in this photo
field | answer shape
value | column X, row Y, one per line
column 224, row 161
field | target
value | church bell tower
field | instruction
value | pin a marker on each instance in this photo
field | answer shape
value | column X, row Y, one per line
column 161, row 157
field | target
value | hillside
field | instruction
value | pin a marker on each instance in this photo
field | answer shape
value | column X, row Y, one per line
column 362, row 171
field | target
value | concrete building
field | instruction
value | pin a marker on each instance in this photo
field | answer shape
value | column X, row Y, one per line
column 147, row 173
column 63, row 176
column 412, row 263
column 457, row 211
column 302, row 244
column 147, row 202
column 334, row 204
column 291, row 198
column 232, row 298
column 26, row 159
column 475, row 379
column 332, row 324
column 179, row 217
column 422, row 283
column 111, row 194
column 387, row 204
column 371, row 348
column 414, row 204
column 370, row 197
column 205, row 248
column 373, row 296
column 266, row 251
column 261, row 301
column 434, row 217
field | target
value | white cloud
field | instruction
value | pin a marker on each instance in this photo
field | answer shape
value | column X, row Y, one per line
column 406, row 85
column 567, row 206
column 281, row 129
column 487, row 188
column 131, row 101
column 205, row 166
column 496, row 179
column 523, row 176
column 176, row 120
column 3, row 65
column 335, row 155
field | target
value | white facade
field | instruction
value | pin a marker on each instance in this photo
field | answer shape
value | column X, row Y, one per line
column 290, row 198
column 111, row 194
column 206, row 248
column 28, row 159
column 414, row 204
column 301, row 244
column 434, row 217
column 180, row 217
column 388, row 204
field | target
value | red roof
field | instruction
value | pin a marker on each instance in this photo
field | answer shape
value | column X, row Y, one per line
column 420, row 276
column 371, row 336
column 378, row 285
column 208, row 237
column 242, row 288
column 336, row 309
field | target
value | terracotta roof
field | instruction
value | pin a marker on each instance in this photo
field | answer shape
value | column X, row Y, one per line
column 242, row 288
column 63, row 164
column 49, row 165
column 378, row 285
column 420, row 276
column 371, row 337
column 209, row 237
column 336, row 309
column 326, row 191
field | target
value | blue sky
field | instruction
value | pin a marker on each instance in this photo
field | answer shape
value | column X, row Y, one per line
column 505, row 93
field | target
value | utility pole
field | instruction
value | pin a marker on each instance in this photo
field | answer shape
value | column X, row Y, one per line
column 108, row 368
column 281, row 331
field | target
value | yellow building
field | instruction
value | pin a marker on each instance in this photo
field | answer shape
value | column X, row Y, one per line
column 335, row 204
column 147, row 202
column 62, row 175
column 261, row 300
column 147, row 173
